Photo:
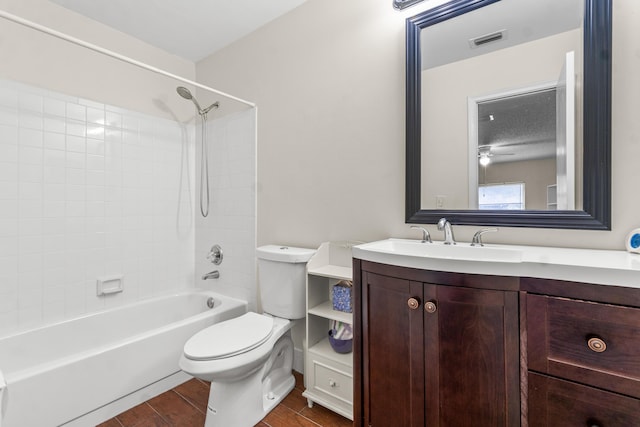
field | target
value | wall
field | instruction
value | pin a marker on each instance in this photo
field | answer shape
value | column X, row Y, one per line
column 326, row 78
column 231, row 222
column 96, row 170
column 329, row 81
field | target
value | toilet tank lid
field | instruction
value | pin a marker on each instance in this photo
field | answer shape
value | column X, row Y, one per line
column 283, row 253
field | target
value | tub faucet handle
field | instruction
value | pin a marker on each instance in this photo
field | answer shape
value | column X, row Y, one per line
column 215, row 255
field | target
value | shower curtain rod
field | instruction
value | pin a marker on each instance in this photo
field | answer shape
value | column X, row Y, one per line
column 96, row 48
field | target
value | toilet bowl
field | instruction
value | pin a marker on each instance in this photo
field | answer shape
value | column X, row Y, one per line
column 249, row 359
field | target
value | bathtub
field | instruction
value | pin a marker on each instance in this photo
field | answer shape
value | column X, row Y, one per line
column 85, row 370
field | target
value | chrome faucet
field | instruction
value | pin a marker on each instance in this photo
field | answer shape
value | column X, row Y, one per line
column 426, row 237
column 211, row 275
column 444, row 225
column 477, row 237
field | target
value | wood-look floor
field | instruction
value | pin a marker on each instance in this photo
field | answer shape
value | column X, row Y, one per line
column 186, row 405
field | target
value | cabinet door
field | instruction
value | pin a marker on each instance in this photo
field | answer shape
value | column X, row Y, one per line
column 393, row 360
column 471, row 357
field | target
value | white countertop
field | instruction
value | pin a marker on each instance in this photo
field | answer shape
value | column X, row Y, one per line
column 605, row 267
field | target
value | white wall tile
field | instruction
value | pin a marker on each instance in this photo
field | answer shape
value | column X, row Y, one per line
column 54, row 107
column 76, row 144
column 8, row 227
column 8, row 134
column 8, row 171
column 231, row 222
column 29, row 120
column 30, row 137
column 30, row 172
column 54, row 174
column 76, row 128
column 8, row 117
column 54, row 140
column 88, row 189
column 76, row 112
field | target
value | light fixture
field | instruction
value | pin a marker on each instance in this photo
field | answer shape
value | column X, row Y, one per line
column 484, row 159
column 401, row 4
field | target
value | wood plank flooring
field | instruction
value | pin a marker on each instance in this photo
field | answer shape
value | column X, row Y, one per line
column 186, row 405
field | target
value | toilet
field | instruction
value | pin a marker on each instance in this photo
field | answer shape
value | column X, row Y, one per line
column 249, row 359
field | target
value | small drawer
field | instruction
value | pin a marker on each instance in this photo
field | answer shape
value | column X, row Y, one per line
column 332, row 382
column 591, row 343
column 559, row 403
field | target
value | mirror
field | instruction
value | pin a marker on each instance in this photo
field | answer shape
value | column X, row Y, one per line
column 574, row 192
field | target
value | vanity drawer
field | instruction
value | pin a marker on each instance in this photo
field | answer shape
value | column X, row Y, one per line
column 559, row 403
column 334, row 383
column 591, row 343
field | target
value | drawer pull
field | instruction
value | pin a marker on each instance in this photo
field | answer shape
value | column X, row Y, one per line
column 413, row 303
column 593, row 423
column 332, row 383
column 430, row 307
column 596, row 344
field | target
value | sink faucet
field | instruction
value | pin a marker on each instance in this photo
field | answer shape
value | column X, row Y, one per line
column 426, row 237
column 444, row 225
column 211, row 275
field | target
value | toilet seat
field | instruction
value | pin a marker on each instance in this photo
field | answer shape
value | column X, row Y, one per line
column 230, row 338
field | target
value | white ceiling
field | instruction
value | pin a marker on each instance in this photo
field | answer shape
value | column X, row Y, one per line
column 191, row 29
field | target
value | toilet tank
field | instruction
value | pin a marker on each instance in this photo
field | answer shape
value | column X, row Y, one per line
column 282, row 280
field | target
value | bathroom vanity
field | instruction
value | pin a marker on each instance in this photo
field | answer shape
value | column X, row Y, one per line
column 495, row 336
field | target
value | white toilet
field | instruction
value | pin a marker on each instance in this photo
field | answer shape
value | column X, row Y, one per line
column 249, row 359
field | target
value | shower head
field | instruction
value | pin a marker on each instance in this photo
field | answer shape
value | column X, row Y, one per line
column 186, row 94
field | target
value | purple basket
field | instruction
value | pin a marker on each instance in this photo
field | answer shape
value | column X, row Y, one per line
column 340, row 346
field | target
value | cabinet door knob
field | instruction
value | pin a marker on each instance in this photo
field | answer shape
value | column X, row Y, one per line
column 430, row 307
column 596, row 344
column 413, row 303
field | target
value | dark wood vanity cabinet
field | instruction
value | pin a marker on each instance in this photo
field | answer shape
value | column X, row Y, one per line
column 457, row 350
column 435, row 349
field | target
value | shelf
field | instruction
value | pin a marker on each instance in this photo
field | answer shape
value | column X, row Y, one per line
column 326, row 310
column 332, row 271
column 324, row 349
column 328, row 266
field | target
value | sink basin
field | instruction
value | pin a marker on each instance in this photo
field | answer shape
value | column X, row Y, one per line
column 461, row 251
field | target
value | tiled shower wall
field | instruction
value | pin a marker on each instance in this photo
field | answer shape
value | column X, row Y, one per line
column 88, row 190
column 231, row 222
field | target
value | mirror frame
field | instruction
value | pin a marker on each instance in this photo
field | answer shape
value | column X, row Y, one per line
column 596, row 201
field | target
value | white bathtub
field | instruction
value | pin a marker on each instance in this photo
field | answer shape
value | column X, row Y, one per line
column 85, row 370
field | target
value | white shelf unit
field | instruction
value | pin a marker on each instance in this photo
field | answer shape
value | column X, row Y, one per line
column 328, row 375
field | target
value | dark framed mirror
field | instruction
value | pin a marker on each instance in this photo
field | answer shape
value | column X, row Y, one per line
column 594, row 182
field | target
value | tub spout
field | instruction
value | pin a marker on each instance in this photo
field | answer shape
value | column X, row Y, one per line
column 211, row 275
